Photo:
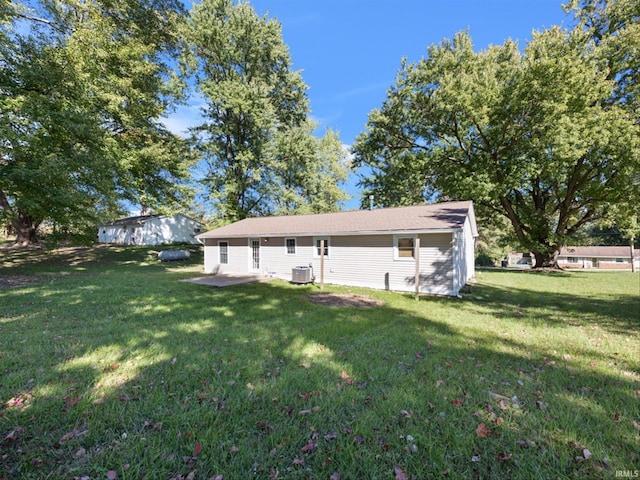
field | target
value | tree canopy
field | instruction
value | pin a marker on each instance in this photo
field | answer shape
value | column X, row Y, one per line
column 532, row 136
column 256, row 137
column 83, row 87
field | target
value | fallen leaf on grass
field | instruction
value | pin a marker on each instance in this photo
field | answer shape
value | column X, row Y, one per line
column 335, row 476
column 405, row 413
column 197, row 449
column 68, row 436
column 475, row 458
column 70, row 402
column 457, row 401
column 13, row 436
column 541, row 405
column 344, row 376
column 112, row 475
column 111, row 368
column 503, row 457
column 309, row 447
column 19, row 401
column 400, row 475
column 482, row 431
column 586, row 453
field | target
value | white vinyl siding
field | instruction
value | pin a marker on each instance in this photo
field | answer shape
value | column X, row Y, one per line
column 152, row 231
column 368, row 261
column 356, row 260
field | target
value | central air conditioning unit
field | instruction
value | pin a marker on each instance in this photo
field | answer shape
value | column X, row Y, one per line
column 301, row 275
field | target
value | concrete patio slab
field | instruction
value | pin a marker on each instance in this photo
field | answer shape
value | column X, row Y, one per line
column 226, row 279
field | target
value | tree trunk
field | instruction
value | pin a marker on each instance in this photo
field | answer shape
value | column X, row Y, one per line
column 546, row 259
column 25, row 227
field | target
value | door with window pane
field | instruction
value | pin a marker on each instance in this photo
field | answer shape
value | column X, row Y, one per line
column 254, row 246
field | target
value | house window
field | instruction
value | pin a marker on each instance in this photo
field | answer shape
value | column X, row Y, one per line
column 290, row 244
column 317, row 251
column 223, row 248
column 572, row 259
column 403, row 247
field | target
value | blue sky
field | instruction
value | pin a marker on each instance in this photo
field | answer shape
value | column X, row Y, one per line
column 349, row 51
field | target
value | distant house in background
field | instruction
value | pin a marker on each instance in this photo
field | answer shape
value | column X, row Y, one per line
column 380, row 248
column 519, row 260
column 598, row 257
column 150, row 230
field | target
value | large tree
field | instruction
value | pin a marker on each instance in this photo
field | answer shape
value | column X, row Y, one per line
column 256, row 105
column 614, row 27
column 530, row 136
column 84, row 85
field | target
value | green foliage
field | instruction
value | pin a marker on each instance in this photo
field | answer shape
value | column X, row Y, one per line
column 83, row 90
column 530, row 136
column 256, row 138
column 308, row 171
column 614, row 26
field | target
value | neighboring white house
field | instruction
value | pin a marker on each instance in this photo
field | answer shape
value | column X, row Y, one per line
column 150, row 230
column 366, row 248
column 598, row 257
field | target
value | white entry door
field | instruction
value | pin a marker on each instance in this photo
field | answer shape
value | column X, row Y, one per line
column 254, row 255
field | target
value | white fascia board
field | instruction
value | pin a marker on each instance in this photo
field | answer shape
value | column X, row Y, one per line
column 336, row 234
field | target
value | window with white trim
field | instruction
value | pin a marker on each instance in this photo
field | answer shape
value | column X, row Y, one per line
column 223, row 248
column 403, row 247
column 317, row 251
column 290, row 246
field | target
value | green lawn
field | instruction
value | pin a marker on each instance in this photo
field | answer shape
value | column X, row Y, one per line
column 112, row 368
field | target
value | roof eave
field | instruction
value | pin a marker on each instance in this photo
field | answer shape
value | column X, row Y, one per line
column 333, row 234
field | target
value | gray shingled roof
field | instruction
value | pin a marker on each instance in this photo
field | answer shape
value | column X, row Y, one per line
column 598, row 252
column 440, row 216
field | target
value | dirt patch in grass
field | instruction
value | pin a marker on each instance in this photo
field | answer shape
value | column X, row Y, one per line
column 14, row 281
column 344, row 300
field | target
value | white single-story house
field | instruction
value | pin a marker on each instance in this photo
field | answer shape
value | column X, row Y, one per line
column 380, row 248
column 598, row 257
column 150, row 230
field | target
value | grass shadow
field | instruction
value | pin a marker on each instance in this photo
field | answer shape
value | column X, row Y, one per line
column 121, row 367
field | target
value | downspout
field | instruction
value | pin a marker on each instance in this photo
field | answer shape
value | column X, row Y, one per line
column 456, row 264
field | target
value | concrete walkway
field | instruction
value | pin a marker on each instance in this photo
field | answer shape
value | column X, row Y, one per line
column 226, row 279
